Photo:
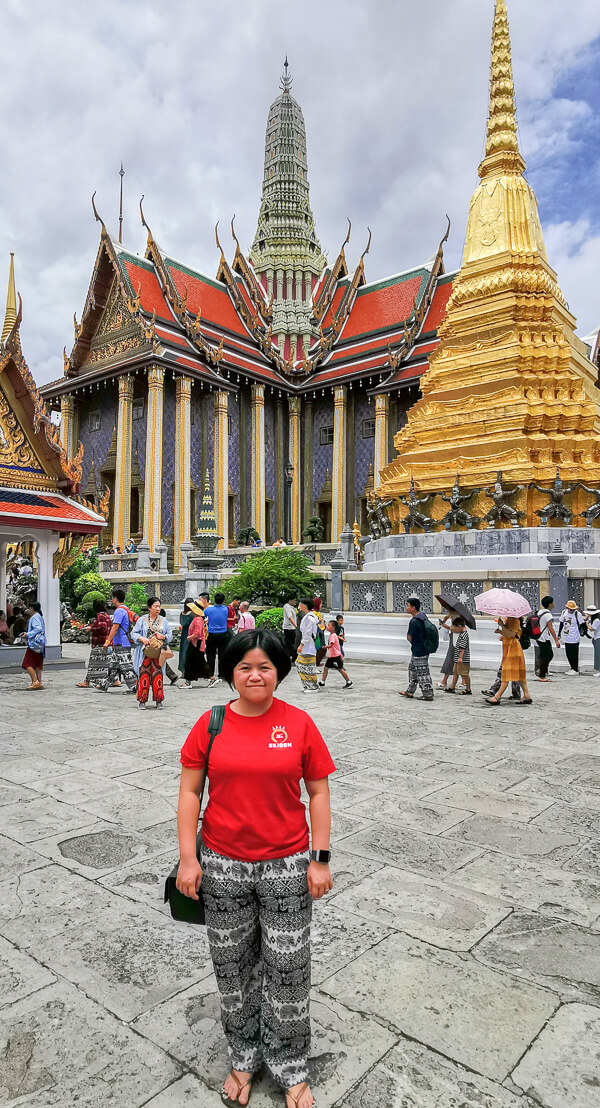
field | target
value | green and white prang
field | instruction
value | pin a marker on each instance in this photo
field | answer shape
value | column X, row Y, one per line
column 286, row 247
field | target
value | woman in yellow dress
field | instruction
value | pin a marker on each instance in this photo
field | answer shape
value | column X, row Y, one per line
column 513, row 660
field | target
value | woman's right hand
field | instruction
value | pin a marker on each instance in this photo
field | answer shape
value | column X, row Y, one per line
column 189, row 878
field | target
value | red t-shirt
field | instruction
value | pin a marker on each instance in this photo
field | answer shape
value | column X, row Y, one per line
column 254, row 810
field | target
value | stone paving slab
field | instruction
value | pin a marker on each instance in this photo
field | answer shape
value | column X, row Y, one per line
column 430, row 855
column 562, row 1068
column 446, row 1001
column 557, row 955
column 545, row 889
column 19, row 975
column 512, row 838
column 422, row 908
column 59, row 1049
column 463, row 929
column 410, row 1076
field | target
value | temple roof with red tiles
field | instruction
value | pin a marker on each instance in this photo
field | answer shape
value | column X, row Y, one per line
column 219, row 330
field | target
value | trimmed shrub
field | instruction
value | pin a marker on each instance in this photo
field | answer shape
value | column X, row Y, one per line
column 89, row 582
column 137, row 598
column 271, row 618
column 86, row 604
column 246, row 536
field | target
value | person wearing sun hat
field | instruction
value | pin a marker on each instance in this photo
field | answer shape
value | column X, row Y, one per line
column 592, row 615
column 195, row 658
column 572, row 627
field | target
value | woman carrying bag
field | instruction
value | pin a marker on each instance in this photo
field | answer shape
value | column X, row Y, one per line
column 255, row 868
column 151, row 635
column 33, row 662
column 196, row 665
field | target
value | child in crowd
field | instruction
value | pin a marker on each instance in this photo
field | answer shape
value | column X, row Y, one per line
column 334, row 654
column 341, row 633
column 462, row 656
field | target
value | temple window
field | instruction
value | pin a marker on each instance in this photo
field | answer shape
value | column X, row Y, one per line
column 94, row 421
column 368, row 428
column 137, row 409
column 326, row 436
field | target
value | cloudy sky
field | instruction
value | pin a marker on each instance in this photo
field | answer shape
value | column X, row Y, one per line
column 394, row 95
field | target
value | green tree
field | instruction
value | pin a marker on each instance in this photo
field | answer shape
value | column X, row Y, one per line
column 86, row 604
column 91, row 581
column 271, row 619
column 246, row 536
column 271, row 576
column 84, row 563
column 137, row 598
column 314, row 530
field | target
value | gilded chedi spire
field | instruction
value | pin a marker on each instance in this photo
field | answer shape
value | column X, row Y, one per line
column 510, row 387
column 11, row 302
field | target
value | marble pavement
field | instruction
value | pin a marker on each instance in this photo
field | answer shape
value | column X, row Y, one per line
column 456, row 962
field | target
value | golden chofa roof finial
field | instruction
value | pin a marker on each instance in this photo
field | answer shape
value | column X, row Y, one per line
column 502, row 154
column 11, row 302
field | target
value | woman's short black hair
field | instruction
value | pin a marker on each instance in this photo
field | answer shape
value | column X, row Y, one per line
column 152, row 600
column 99, row 606
column 262, row 639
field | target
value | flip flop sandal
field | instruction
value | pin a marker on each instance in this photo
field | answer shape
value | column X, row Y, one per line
column 82, row 685
column 241, row 1085
column 492, row 700
column 295, row 1099
column 408, row 695
column 526, row 700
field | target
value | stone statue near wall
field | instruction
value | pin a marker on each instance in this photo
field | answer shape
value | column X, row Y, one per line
column 415, row 518
column 501, row 510
column 555, row 508
column 593, row 512
column 379, row 524
column 457, row 516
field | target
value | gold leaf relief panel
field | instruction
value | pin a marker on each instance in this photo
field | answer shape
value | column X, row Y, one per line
column 15, row 449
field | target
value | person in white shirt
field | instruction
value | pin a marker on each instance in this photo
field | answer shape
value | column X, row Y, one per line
column 290, row 626
column 544, row 641
column 592, row 614
column 572, row 626
column 246, row 619
column 307, row 651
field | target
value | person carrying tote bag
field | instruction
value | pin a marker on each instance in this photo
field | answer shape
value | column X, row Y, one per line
column 151, row 634
column 256, row 872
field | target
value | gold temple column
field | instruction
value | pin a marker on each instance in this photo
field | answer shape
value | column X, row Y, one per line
column 122, row 506
column 154, row 447
column 67, row 424
column 183, row 461
column 295, row 459
column 338, row 495
column 382, row 419
column 258, row 487
column 221, row 467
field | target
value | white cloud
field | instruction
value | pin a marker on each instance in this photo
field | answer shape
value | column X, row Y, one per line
column 394, row 96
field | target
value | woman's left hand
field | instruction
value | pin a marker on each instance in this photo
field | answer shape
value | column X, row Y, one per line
column 319, row 879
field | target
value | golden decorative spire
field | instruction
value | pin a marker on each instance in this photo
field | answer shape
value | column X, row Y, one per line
column 11, row 302
column 502, row 154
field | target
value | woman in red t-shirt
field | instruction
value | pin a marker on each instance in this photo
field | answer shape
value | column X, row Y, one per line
column 257, row 874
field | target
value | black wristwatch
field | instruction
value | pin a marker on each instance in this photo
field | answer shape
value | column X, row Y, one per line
column 322, row 856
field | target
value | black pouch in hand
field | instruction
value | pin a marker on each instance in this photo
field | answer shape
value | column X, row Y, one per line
column 183, row 908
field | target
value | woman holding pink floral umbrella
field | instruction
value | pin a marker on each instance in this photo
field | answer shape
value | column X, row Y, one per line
column 508, row 607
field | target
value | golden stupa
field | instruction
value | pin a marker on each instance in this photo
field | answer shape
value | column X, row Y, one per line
column 510, row 387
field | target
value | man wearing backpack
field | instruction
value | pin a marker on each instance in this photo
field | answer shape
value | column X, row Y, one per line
column 421, row 636
column 542, row 632
column 118, row 639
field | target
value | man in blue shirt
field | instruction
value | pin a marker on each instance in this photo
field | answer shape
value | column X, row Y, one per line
column 218, row 635
column 418, row 670
column 119, row 661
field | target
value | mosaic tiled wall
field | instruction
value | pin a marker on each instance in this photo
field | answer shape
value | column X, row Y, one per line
column 270, row 447
column 322, row 455
column 364, row 449
column 168, row 449
column 197, row 410
column 96, row 444
column 138, row 426
column 234, row 457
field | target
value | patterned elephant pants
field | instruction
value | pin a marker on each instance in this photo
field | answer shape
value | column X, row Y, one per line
column 258, row 924
column 418, row 674
column 151, row 677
